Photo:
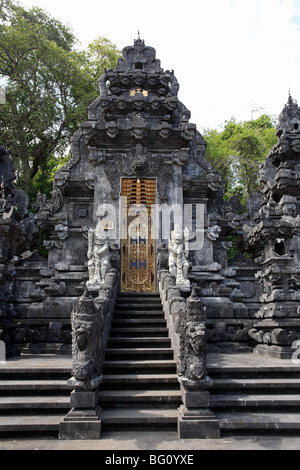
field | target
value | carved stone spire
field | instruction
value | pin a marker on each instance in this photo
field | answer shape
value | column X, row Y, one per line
column 139, row 41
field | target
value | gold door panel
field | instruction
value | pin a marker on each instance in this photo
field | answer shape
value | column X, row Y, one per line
column 138, row 244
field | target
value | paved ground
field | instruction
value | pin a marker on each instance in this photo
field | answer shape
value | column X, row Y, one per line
column 151, row 441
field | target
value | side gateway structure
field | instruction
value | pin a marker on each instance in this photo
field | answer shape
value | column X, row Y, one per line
column 136, row 187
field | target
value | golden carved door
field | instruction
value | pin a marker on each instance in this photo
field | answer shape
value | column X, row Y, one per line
column 138, row 273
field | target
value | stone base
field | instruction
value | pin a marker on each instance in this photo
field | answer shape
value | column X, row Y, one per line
column 188, row 385
column 195, row 398
column 85, row 386
column 280, row 352
column 82, row 424
column 197, row 424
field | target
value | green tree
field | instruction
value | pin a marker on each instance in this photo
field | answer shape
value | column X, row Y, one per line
column 238, row 151
column 49, row 84
column 101, row 54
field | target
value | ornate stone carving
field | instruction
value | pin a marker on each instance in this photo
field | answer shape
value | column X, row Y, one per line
column 47, row 208
column 162, row 257
column 213, row 232
column 139, row 162
column 277, row 336
column 178, row 264
column 193, row 338
column 139, row 57
column 87, row 328
column 62, row 230
column 165, row 130
column 112, row 129
column 98, row 255
column 114, row 259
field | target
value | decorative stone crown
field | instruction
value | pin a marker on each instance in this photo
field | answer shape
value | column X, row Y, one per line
column 139, row 57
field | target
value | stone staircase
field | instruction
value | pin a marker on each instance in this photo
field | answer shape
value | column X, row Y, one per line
column 140, row 390
column 33, row 398
column 140, row 387
column 257, row 396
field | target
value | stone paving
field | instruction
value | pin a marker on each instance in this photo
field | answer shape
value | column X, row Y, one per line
column 155, row 441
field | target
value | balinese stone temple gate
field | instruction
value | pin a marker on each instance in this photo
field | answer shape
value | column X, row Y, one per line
column 137, row 285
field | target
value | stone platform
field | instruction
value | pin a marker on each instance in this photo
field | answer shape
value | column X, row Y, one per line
column 216, row 362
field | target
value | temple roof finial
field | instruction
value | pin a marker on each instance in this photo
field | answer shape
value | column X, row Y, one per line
column 139, row 41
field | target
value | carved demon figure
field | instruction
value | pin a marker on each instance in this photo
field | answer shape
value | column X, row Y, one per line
column 196, row 336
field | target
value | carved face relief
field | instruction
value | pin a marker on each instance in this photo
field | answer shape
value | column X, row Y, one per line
column 112, row 129
column 196, row 336
column 283, row 145
column 213, row 232
column 99, row 240
column 296, row 145
column 165, row 130
column 82, row 336
column 176, row 235
column 139, row 127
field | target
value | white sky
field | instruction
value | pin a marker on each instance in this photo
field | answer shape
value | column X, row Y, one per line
column 229, row 56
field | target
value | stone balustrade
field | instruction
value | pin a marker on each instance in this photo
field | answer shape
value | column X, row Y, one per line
column 91, row 321
column 186, row 318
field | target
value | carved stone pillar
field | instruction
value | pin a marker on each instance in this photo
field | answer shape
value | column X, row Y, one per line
column 84, row 419
column 195, row 420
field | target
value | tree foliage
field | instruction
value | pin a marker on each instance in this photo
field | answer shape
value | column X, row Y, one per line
column 49, row 84
column 237, row 152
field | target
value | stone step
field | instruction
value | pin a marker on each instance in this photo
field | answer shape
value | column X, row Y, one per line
column 145, row 322
column 139, row 367
column 138, row 306
column 150, row 379
column 137, row 396
column 245, row 371
column 122, row 314
column 142, row 301
column 39, row 322
column 139, row 332
column 16, row 373
column 141, row 353
column 123, row 297
column 153, row 342
column 33, row 385
column 139, row 416
column 45, row 348
column 138, row 294
column 36, row 423
column 256, row 383
column 34, row 402
column 140, row 382
column 259, row 421
column 261, row 400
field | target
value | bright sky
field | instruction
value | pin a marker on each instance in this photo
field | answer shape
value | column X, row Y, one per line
column 231, row 57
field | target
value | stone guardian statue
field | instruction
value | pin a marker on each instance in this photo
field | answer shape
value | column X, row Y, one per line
column 178, row 251
column 98, row 255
